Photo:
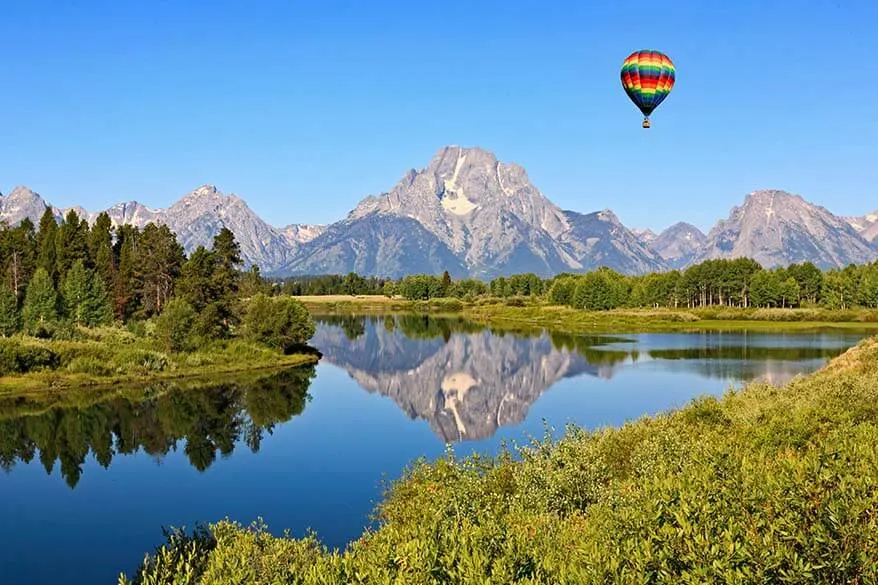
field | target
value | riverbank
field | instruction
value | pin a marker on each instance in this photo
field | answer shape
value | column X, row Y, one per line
column 507, row 313
column 765, row 484
column 114, row 356
column 39, row 402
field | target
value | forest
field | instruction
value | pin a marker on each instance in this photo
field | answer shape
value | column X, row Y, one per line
column 741, row 282
column 69, row 282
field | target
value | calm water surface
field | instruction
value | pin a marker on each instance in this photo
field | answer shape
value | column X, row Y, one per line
column 89, row 481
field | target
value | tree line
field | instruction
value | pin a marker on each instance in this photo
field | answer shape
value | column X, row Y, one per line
column 58, row 275
column 740, row 282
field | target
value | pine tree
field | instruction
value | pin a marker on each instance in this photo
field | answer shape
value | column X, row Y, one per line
column 124, row 289
column 100, row 308
column 226, row 277
column 74, row 290
column 446, row 284
column 47, row 255
column 159, row 260
column 20, row 253
column 195, row 284
column 252, row 284
column 9, row 317
column 72, row 242
column 40, row 311
column 100, row 249
column 85, row 297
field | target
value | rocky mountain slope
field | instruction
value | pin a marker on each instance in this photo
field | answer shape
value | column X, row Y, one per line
column 473, row 215
column 776, row 228
column 678, row 244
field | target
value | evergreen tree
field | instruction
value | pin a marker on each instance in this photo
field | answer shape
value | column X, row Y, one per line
column 85, row 297
column 159, row 260
column 19, row 254
column 252, row 284
column 40, row 311
column 226, row 277
column 100, row 249
column 72, row 242
column 125, row 281
column 9, row 318
column 100, row 309
column 445, row 287
column 196, row 284
column 47, row 255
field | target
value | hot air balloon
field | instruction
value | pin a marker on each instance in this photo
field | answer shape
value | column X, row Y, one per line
column 647, row 78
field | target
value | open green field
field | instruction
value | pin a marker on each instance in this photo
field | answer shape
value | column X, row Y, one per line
column 497, row 312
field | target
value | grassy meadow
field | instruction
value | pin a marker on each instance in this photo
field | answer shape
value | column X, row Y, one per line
column 115, row 355
column 518, row 311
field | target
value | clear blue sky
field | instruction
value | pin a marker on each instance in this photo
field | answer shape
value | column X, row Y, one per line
column 303, row 108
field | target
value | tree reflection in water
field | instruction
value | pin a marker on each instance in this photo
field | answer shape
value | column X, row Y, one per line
column 210, row 417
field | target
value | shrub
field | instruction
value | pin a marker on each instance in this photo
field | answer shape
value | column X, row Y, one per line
column 279, row 322
column 764, row 485
column 88, row 365
column 18, row 358
column 173, row 328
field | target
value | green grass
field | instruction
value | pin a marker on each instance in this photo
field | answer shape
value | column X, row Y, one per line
column 113, row 355
column 641, row 320
column 534, row 313
column 763, row 485
column 376, row 304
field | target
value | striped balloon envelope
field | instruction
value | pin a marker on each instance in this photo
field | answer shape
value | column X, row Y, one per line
column 648, row 77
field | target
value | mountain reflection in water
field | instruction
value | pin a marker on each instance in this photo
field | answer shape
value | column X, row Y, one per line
column 467, row 380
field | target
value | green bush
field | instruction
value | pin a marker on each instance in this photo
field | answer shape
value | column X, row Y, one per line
column 19, row 358
column 278, row 322
column 173, row 328
column 88, row 365
column 764, row 485
column 136, row 328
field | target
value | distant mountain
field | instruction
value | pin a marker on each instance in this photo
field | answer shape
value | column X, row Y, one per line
column 776, row 228
column 20, row 203
column 301, row 233
column 473, row 215
column 470, row 214
column 647, row 236
column 866, row 226
column 679, row 244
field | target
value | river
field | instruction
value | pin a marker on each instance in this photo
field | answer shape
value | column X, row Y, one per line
column 91, row 478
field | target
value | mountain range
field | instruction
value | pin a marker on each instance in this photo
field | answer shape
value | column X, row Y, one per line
column 470, row 214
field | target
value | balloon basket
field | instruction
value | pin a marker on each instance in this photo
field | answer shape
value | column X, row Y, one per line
column 646, row 122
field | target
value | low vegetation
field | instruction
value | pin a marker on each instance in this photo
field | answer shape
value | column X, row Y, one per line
column 763, row 485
